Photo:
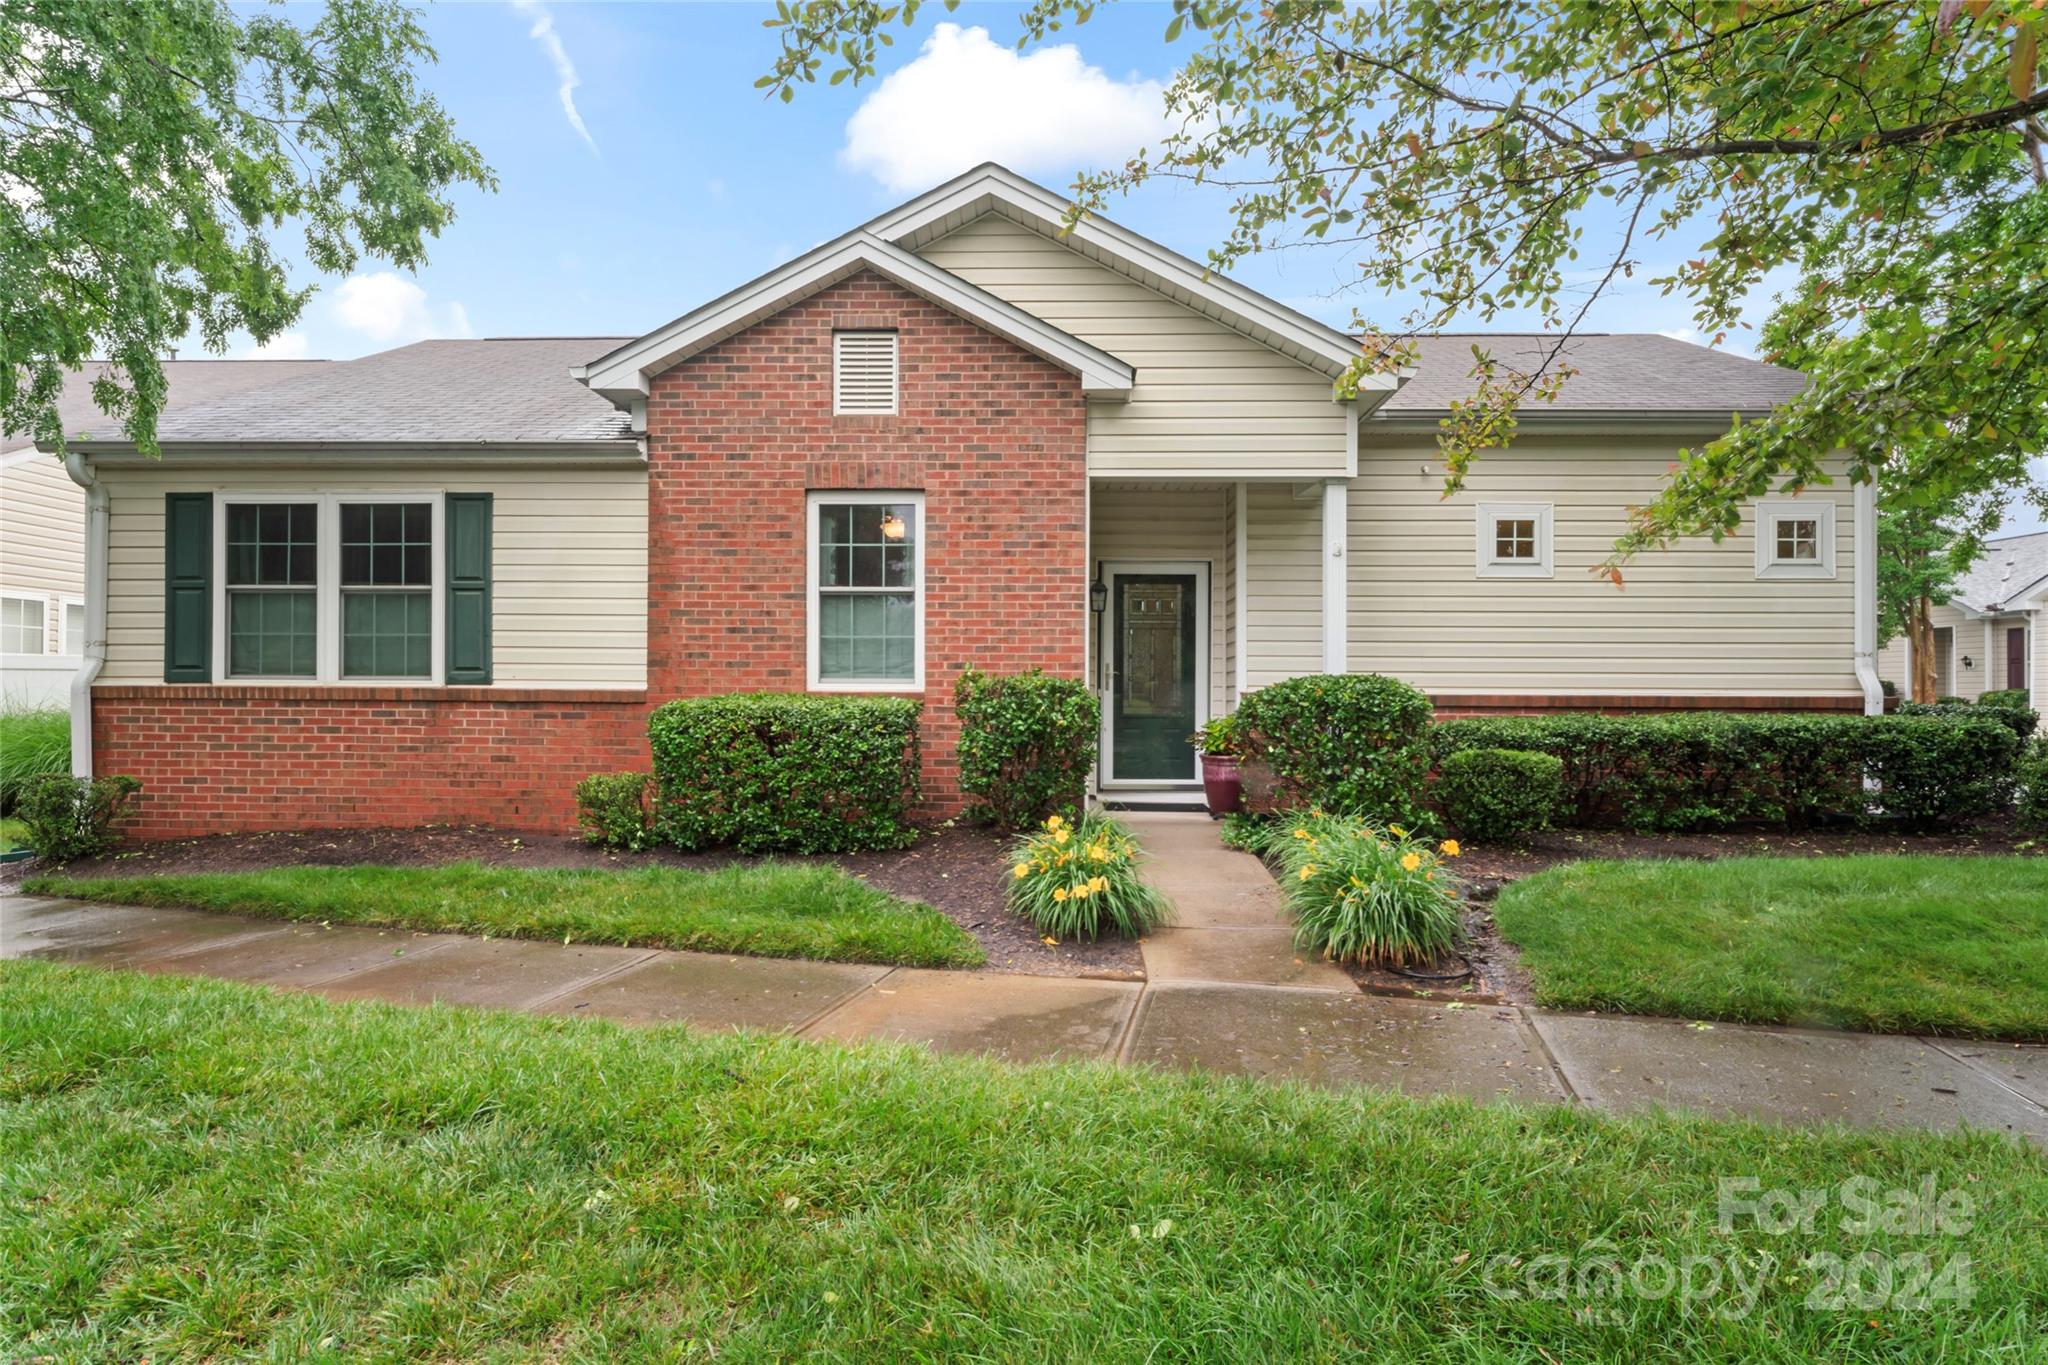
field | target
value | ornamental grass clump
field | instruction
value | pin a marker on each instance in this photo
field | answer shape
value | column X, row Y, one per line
column 1074, row 879
column 1367, row 893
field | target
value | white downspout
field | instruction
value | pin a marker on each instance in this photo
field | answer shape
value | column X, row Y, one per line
column 95, row 611
column 1866, row 599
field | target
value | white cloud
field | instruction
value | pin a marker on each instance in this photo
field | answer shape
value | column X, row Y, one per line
column 283, row 346
column 388, row 308
column 543, row 32
column 965, row 99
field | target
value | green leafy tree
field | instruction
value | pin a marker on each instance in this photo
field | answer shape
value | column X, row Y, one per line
column 151, row 149
column 1919, row 560
column 1517, row 157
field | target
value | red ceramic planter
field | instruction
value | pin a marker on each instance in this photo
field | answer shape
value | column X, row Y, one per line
column 1222, row 783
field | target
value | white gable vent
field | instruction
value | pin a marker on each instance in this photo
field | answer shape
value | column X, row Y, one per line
column 863, row 372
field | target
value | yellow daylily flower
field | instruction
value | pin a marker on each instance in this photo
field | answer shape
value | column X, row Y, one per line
column 1099, row 883
column 1053, row 822
column 1449, row 848
column 1023, row 870
column 1301, row 834
column 1059, row 893
column 1412, row 861
column 1061, row 836
column 1308, row 870
column 1397, row 831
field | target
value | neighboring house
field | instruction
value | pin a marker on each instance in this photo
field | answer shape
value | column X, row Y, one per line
column 1988, row 637
column 42, row 528
column 444, row 582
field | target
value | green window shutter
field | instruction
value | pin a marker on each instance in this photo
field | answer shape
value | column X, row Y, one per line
column 188, row 587
column 469, row 588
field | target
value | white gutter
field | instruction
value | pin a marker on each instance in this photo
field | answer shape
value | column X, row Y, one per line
column 95, row 610
column 1866, row 599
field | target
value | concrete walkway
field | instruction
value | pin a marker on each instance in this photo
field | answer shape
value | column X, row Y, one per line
column 1316, row 1032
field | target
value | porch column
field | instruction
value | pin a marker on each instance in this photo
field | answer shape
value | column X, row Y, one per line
column 1986, row 665
column 1336, row 576
column 1241, row 577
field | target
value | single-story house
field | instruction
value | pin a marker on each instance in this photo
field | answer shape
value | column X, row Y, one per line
column 443, row 582
column 42, row 528
column 1987, row 636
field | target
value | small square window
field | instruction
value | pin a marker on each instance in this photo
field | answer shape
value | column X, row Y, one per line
column 1512, row 540
column 1795, row 539
column 21, row 625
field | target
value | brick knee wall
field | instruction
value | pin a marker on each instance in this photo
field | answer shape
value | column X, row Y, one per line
column 216, row 760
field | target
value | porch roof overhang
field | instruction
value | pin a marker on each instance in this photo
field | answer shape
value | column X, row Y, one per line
column 624, row 376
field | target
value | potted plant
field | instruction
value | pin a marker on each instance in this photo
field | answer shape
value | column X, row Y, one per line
column 1222, row 776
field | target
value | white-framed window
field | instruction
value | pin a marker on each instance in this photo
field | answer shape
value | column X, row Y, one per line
column 1513, row 540
column 864, row 376
column 865, row 592
column 1795, row 538
column 71, row 625
column 24, row 623
column 328, row 587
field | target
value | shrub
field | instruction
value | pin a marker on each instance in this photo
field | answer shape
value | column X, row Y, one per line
column 2018, row 718
column 2033, row 787
column 2014, row 698
column 74, row 817
column 1934, row 773
column 1365, row 893
column 1502, row 794
column 1244, row 832
column 611, row 809
column 1219, row 737
column 1355, row 745
column 1027, row 743
column 1074, row 880
column 768, row 771
column 34, row 741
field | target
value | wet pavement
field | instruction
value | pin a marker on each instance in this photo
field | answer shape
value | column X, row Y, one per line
column 1334, row 1037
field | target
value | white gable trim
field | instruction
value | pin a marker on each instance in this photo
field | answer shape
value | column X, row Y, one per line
column 624, row 375
column 992, row 188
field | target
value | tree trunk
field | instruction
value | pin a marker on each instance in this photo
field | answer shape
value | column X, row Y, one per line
column 1922, row 628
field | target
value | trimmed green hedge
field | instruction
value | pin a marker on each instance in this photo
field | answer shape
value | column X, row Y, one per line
column 1353, row 744
column 1027, row 744
column 2017, row 717
column 1499, row 794
column 1712, row 770
column 765, row 771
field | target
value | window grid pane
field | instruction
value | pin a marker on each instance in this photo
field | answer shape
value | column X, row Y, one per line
column 1798, row 539
column 867, row 545
column 1514, row 538
column 272, row 634
column 273, row 544
column 21, row 626
column 387, row 545
column 386, row 634
column 867, row 636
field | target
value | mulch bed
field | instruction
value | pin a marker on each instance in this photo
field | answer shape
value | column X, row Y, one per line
column 957, row 870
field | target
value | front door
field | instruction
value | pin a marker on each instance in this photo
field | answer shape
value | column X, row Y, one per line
column 2016, row 658
column 1153, row 643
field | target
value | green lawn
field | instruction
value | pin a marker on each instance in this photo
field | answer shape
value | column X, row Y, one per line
column 1923, row 944
column 13, row 835
column 202, row 1170
column 768, row 909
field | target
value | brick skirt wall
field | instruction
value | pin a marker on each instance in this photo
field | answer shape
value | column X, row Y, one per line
column 216, row 759
column 1456, row 705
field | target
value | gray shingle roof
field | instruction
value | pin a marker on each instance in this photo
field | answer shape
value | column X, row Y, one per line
column 192, row 382
column 2010, row 566
column 510, row 390
column 1617, row 372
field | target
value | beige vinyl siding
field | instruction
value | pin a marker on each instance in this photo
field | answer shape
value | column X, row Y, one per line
column 1284, row 563
column 42, row 536
column 1694, row 619
column 568, row 564
column 1166, row 523
column 1986, row 669
column 1207, row 400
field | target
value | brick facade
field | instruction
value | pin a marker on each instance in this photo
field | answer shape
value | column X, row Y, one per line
column 994, row 438
column 214, row 759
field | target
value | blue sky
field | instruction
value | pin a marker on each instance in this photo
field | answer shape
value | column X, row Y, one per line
column 641, row 173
